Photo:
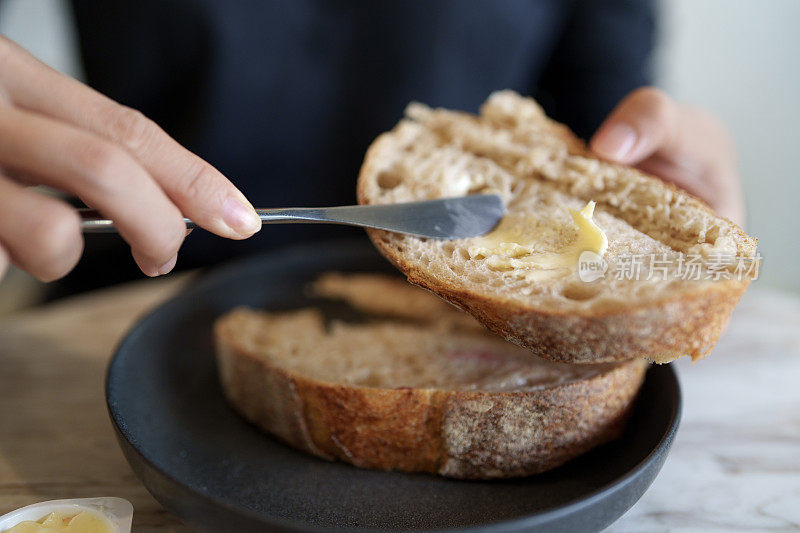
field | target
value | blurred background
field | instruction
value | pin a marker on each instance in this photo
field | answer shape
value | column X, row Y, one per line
column 737, row 58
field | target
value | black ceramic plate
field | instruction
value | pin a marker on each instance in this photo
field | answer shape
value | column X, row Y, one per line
column 217, row 472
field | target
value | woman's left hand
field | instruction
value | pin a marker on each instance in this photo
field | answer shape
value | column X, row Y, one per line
column 678, row 143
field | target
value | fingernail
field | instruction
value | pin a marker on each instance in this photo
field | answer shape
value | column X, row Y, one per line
column 615, row 141
column 240, row 217
column 167, row 267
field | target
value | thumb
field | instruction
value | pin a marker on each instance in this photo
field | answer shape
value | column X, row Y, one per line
column 643, row 123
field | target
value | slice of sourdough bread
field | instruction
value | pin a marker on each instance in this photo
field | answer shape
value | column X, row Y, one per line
column 671, row 281
column 385, row 296
column 416, row 393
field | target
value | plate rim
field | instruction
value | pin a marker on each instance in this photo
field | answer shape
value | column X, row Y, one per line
column 218, row 274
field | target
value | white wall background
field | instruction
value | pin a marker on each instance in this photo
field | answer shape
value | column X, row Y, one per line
column 738, row 58
column 741, row 60
column 43, row 27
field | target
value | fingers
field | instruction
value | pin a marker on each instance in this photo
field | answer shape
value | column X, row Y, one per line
column 644, row 122
column 37, row 233
column 197, row 188
column 200, row 191
column 103, row 175
column 676, row 142
column 3, row 261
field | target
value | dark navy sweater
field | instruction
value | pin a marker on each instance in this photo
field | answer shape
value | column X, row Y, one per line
column 285, row 96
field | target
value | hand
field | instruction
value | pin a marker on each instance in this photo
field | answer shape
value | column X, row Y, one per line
column 676, row 142
column 58, row 132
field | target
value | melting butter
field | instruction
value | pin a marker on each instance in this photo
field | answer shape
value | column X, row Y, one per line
column 519, row 246
column 55, row 522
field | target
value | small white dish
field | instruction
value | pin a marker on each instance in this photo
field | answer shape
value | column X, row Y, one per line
column 117, row 510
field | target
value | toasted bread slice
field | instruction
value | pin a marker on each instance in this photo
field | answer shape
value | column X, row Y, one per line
column 400, row 395
column 658, row 310
column 380, row 295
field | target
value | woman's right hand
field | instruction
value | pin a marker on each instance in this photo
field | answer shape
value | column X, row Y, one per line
column 55, row 131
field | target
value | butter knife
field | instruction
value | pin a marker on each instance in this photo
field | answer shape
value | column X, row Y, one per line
column 446, row 218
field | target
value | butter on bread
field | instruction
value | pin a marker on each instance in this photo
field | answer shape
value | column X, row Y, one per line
column 544, row 173
column 422, row 391
column 514, row 247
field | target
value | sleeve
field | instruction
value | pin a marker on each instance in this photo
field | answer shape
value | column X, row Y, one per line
column 603, row 54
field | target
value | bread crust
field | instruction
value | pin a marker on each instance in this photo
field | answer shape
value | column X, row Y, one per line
column 659, row 330
column 459, row 434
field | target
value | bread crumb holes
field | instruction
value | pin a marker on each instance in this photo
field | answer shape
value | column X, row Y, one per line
column 389, row 179
column 580, row 291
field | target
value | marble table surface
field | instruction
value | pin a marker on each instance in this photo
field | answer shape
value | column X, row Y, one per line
column 734, row 466
column 735, row 462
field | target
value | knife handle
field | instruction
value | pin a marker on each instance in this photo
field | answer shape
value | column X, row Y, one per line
column 94, row 222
